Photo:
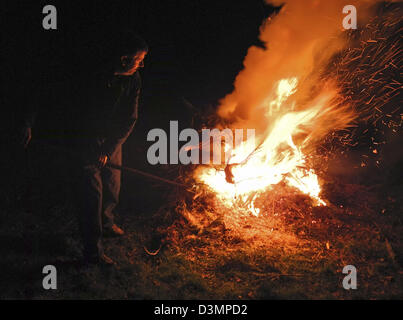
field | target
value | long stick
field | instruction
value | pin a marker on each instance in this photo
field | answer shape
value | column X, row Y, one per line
column 144, row 174
column 114, row 166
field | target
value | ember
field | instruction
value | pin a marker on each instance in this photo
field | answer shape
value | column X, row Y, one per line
column 276, row 159
column 294, row 104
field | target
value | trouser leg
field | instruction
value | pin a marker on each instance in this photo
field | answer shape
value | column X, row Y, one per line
column 90, row 213
column 111, row 188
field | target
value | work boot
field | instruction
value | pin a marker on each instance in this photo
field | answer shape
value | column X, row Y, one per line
column 113, row 231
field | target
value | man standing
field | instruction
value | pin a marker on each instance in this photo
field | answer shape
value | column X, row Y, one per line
column 111, row 124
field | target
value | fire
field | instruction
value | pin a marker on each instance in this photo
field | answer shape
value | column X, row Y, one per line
column 277, row 158
column 287, row 93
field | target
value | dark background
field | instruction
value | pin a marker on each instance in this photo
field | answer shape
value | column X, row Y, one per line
column 196, row 50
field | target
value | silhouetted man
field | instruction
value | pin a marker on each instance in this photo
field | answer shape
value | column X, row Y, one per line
column 102, row 102
column 119, row 94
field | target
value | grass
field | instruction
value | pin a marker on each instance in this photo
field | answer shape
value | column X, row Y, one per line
column 292, row 251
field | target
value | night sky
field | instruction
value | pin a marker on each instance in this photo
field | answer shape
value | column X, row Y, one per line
column 196, row 50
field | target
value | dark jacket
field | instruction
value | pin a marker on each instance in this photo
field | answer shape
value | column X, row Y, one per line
column 119, row 123
column 112, row 113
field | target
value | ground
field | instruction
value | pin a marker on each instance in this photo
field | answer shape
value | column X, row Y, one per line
column 293, row 250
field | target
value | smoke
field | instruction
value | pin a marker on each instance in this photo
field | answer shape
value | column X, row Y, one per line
column 299, row 43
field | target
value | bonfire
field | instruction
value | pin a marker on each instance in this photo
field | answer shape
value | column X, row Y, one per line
column 311, row 93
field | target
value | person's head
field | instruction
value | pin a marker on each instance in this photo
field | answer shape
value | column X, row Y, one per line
column 132, row 51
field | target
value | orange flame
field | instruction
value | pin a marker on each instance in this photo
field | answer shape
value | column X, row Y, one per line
column 281, row 94
column 276, row 159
